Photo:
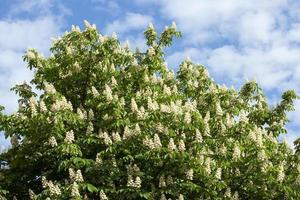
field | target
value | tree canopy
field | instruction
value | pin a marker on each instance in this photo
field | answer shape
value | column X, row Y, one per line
column 109, row 122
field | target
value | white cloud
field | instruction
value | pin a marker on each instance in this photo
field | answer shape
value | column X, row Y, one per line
column 131, row 22
column 15, row 37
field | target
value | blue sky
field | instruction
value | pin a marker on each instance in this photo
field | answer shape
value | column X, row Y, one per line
column 235, row 39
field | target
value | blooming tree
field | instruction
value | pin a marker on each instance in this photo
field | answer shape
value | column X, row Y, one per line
column 112, row 123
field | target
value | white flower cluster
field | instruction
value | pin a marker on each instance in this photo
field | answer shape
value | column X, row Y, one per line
column 257, row 136
column 32, row 195
column 75, row 190
column 236, row 152
column 82, row 113
column 116, row 137
column 198, row 136
column 32, row 105
column 99, row 159
column 108, row 93
column 280, row 175
column 49, row 88
column 207, row 165
column 219, row 110
column 103, row 195
column 94, row 91
column 104, row 135
column 181, row 145
column 30, row 54
column 87, row 25
column 171, row 145
column 154, row 143
column 190, row 174
column 52, row 141
column 187, row 118
column 243, row 117
column 61, row 104
column 69, row 137
column 180, row 197
column 152, row 104
column 75, row 176
column 90, row 128
column 134, row 183
column 53, row 189
column 75, row 28
column 218, row 174
column 43, row 106
column 162, row 182
column 131, row 132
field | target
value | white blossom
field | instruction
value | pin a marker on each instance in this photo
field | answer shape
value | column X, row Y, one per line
column 104, row 135
column 81, row 114
column 49, row 88
column 114, row 81
column 30, row 54
column 90, row 128
column 54, row 189
column 72, row 174
column 32, row 195
column 87, row 25
column 44, row 182
column 69, row 137
column 43, row 107
column 228, row 193
column 190, row 174
column 150, row 26
column 170, row 180
column 180, row 197
column 198, row 136
column 149, row 143
column 130, row 181
column 236, row 152
column 127, row 133
column 137, row 182
column 207, row 117
column 235, row 196
column 116, row 137
column 162, row 182
column 156, row 141
column 134, row 106
column 99, row 159
column 171, row 145
column 52, row 141
column 108, row 93
column 75, row 190
column 163, row 197
column 103, row 195
column 219, row 110
column 167, row 90
column 243, row 117
column 94, row 91
column 218, row 173
column 78, row 176
column 151, row 51
column 181, row 145
column 137, row 129
column 187, row 118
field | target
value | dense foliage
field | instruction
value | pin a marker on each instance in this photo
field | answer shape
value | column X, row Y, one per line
column 112, row 123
